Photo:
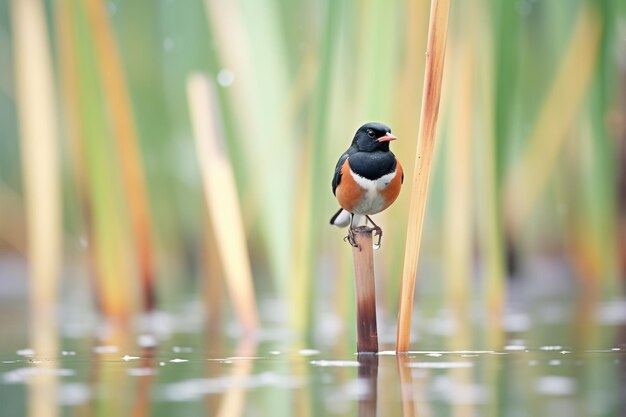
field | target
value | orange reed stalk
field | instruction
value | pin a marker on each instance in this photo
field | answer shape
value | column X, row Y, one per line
column 116, row 92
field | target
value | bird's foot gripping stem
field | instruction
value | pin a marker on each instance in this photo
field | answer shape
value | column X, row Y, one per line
column 352, row 232
column 351, row 238
column 377, row 231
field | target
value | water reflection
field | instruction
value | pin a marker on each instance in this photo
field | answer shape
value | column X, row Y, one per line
column 368, row 377
column 234, row 399
column 267, row 377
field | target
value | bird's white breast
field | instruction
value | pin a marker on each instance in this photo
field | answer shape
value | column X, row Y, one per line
column 372, row 201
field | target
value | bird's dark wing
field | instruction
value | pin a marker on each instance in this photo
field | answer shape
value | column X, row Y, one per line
column 337, row 176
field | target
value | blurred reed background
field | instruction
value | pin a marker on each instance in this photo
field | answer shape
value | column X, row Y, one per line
column 102, row 185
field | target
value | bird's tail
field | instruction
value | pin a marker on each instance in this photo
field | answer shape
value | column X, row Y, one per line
column 342, row 218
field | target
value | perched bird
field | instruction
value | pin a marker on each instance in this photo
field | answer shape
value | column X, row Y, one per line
column 367, row 178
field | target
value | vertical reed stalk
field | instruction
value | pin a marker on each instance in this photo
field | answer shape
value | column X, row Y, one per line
column 529, row 175
column 407, row 99
column 107, row 232
column 300, row 288
column 40, row 168
column 222, row 199
column 363, row 258
column 458, row 206
column 12, row 233
column 40, row 162
column 212, row 284
column 66, row 36
column 116, row 94
column 435, row 54
column 309, row 209
column 487, row 203
column 250, row 41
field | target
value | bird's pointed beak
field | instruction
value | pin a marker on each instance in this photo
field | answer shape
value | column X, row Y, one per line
column 388, row 137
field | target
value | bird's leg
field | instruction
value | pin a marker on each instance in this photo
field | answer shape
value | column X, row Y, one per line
column 350, row 238
column 377, row 231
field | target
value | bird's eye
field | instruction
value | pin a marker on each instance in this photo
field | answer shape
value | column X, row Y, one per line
column 370, row 133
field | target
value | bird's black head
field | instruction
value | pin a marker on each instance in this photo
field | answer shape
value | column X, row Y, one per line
column 372, row 137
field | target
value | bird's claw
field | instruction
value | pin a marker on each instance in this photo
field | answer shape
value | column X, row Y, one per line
column 350, row 239
column 377, row 231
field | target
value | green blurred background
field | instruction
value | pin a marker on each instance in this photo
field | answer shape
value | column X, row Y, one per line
column 106, row 193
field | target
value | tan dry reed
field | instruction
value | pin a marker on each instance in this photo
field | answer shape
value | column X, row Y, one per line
column 435, row 54
column 35, row 97
column 222, row 199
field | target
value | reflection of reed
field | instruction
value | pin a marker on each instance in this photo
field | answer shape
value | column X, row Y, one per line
column 302, row 404
column 461, row 379
column 368, row 374
column 234, row 399
column 43, row 384
column 621, row 372
column 143, row 395
column 495, row 390
column 112, row 383
column 406, row 386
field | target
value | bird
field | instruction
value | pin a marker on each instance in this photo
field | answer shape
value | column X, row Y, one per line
column 367, row 179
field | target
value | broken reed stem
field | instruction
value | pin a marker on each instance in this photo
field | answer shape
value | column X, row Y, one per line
column 363, row 258
column 435, row 54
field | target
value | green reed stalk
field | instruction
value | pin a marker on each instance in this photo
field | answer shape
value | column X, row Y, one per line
column 110, row 237
column 68, row 69
column 250, row 44
column 528, row 177
column 487, row 201
column 313, row 162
